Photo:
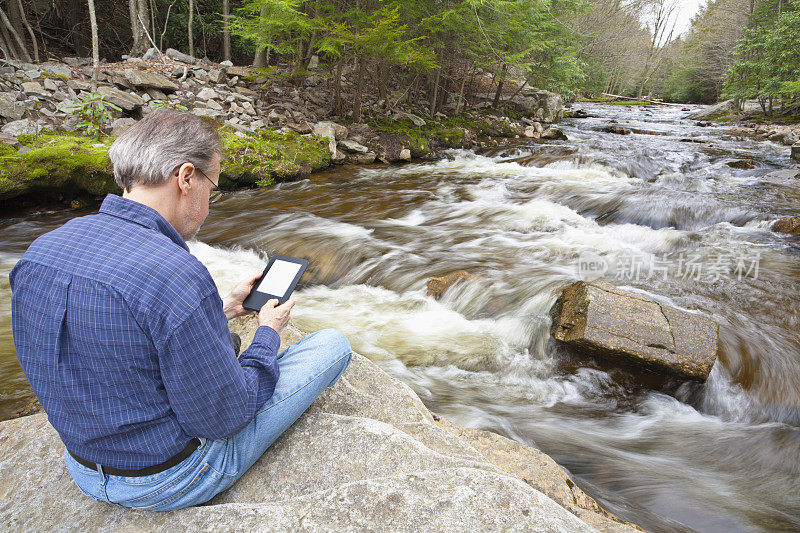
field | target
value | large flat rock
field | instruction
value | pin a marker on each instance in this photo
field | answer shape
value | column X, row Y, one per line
column 367, row 455
column 143, row 79
column 126, row 101
column 622, row 326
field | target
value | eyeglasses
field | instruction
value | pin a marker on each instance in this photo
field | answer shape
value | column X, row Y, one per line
column 216, row 192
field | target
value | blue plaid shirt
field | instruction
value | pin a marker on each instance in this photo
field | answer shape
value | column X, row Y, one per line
column 121, row 334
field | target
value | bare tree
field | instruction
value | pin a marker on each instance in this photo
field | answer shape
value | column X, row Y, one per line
column 15, row 45
column 140, row 18
column 662, row 16
column 226, row 30
column 95, row 46
column 189, row 28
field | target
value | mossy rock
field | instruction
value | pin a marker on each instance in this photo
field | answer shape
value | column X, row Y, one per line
column 57, row 164
column 421, row 140
column 268, row 156
column 66, row 165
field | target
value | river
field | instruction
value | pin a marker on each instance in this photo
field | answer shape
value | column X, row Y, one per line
column 521, row 218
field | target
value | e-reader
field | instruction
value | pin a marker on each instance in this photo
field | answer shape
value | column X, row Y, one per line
column 277, row 282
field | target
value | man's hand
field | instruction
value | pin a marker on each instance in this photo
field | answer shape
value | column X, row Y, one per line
column 274, row 315
column 232, row 304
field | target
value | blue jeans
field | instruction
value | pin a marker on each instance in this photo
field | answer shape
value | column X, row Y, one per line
column 306, row 368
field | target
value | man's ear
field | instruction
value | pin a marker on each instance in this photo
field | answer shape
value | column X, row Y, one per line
column 184, row 174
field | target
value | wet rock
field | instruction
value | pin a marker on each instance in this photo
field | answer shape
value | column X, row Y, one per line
column 438, row 286
column 788, row 225
column 743, row 164
column 551, row 132
column 795, row 154
column 580, row 113
column 143, row 79
column 617, row 130
column 350, row 145
column 599, row 319
column 226, row 63
column 531, row 132
column 180, row 56
column 9, row 106
column 126, row 101
column 19, row 127
column 366, row 158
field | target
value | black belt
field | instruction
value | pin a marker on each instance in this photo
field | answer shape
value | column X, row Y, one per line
column 155, row 469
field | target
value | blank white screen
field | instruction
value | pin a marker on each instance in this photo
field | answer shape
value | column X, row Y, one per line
column 278, row 278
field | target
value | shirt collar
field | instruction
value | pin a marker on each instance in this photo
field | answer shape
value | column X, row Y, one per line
column 141, row 214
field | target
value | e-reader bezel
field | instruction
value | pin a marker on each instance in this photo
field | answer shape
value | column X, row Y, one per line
column 256, row 300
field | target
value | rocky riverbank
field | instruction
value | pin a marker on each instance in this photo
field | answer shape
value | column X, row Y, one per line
column 782, row 128
column 366, row 452
column 274, row 127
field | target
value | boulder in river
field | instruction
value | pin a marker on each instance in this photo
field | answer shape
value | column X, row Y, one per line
column 789, row 225
column 623, row 327
column 711, row 112
column 617, row 129
column 551, row 132
column 796, row 151
column 366, row 455
column 542, row 105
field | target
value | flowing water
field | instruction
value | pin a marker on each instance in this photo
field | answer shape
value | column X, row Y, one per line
column 660, row 211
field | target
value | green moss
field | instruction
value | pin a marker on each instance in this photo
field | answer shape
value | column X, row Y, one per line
column 57, row 164
column 421, row 139
column 54, row 76
column 270, row 155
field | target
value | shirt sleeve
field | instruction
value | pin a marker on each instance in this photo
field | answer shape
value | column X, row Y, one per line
column 212, row 393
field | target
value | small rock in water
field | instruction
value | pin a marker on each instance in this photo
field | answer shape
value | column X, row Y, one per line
column 438, row 286
column 788, row 225
column 553, row 133
column 744, row 164
column 617, row 130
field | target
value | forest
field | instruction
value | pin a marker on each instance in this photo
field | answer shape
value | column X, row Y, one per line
column 740, row 49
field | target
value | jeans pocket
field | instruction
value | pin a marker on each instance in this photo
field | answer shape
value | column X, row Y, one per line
column 197, row 487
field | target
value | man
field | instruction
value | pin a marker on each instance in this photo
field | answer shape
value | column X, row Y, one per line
column 123, row 336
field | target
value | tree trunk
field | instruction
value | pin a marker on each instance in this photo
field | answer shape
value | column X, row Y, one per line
column 30, row 31
column 189, row 28
column 95, row 46
column 362, row 72
column 435, row 92
column 500, row 83
column 140, row 17
column 337, row 88
column 23, row 50
column 226, row 30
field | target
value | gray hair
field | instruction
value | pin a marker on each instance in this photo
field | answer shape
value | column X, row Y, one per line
column 148, row 152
